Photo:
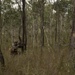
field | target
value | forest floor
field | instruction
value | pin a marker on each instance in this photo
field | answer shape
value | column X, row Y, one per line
column 37, row 62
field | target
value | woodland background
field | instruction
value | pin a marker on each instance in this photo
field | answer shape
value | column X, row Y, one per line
column 49, row 37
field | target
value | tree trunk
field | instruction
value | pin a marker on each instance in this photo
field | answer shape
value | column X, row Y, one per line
column 24, row 35
column 73, row 28
column 41, row 12
column 57, row 28
column 2, row 62
column 42, row 21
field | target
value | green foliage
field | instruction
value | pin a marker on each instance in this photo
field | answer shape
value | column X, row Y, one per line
column 12, row 17
column 62, row 6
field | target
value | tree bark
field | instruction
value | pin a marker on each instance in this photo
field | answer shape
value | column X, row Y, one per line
column 42, row 21
column 24, row 35
column 2, row 62
column 73, row 28
column 57, row 27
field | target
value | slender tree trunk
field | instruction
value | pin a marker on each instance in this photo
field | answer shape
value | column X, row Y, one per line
column 56, row 32
column 72, row 40
column 35, row 29
column 73, row 29
column 57, row 27
column 42, row 21
column 2, row 62
column 41, row 4
column 24, row 36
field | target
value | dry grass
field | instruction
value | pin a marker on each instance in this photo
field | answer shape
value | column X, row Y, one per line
column 32, row 62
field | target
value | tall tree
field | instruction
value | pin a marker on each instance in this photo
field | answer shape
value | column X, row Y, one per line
column 1, row 55
column 24, row 35
column 73, row 27
column 41, row 2
column 72, row 38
